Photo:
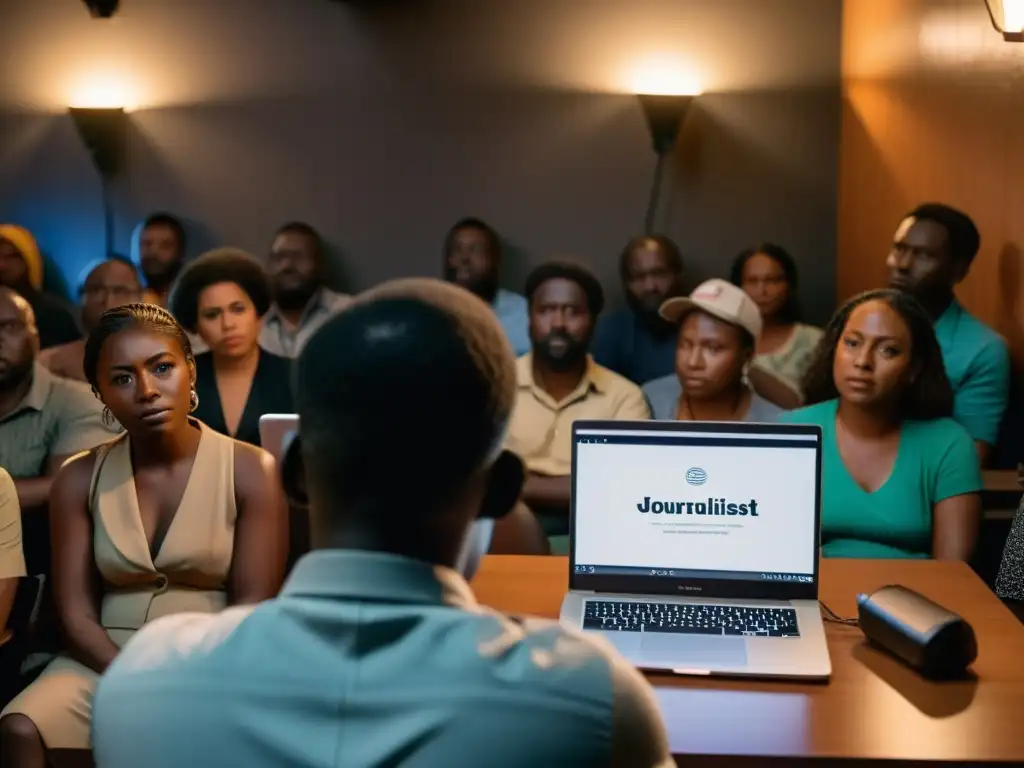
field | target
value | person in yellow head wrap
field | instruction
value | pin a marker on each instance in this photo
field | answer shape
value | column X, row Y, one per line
column 21, row 269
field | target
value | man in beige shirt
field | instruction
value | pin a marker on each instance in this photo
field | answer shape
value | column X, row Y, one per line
column 558, row 382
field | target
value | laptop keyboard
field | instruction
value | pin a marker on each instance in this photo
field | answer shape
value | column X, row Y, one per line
column 689, row 619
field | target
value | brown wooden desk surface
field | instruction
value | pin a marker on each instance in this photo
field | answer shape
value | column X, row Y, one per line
column 872, row 709
column 1001, row 481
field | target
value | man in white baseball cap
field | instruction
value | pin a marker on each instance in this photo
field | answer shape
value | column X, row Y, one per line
column 718, row 327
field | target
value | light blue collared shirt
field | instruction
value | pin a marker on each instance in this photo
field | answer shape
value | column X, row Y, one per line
column 513, row 313
column 370, row 659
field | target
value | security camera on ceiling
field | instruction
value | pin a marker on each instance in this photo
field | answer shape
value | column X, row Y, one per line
column 101, row 9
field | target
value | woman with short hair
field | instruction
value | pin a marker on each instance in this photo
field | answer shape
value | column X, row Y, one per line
column 222, row 297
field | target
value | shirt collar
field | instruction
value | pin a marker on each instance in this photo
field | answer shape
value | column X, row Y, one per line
column 39, row 393
column 376, row 577
column 317, row 301
column 595, row 377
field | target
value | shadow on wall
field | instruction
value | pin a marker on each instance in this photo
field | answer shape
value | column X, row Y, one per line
column 339, row 270
column 55, row 282
column 757, row 166
column 516, row 265
column 151, row 183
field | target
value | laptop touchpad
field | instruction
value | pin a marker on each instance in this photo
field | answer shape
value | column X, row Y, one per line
column 699, row 651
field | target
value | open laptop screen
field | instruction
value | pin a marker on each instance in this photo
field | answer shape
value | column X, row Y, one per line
column 689, row 502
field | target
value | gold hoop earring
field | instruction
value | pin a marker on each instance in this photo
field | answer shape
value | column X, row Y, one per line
column 193, row 400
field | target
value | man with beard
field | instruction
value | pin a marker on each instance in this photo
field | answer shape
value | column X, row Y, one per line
column 472, row 260
column 932, row 251
column 21, row 270
column 302, row 303
column 558, row 383
column 636, row 341
column 44, row 419
column 161, row 255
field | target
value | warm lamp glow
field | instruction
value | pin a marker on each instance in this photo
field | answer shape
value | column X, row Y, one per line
column 1013, row 15
column 662, row 75
column 102, row 90
column 1008, row 17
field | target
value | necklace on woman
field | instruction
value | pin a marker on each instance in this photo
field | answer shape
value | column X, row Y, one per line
column 684, row 412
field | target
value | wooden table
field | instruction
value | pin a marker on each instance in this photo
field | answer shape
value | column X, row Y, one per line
column 873, row 709
column 1001, row 493
column 1001, row 481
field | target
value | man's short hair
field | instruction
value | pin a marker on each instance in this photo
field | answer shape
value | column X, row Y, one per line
column 402, row 396
column 664, row 243
column 86, row 273
column 471, row 222
column 964, row 238
column 567, row 270
column 173, row 223
column 304, row 229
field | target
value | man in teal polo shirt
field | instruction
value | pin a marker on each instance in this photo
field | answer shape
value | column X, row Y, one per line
column 931, row 253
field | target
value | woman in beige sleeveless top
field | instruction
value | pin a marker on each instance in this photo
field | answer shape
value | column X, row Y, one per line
column 170, row 517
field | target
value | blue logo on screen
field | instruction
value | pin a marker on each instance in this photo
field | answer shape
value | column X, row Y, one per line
column 696, row 476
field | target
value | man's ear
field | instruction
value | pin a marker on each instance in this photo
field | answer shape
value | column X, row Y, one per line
column 504, row 486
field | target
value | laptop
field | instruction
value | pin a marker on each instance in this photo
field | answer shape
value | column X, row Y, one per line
column 277, row 430
column 694, row 546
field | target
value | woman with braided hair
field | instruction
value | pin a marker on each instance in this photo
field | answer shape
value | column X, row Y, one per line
column 170, row 517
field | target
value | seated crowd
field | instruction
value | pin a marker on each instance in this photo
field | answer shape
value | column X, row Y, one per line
column 134, row 480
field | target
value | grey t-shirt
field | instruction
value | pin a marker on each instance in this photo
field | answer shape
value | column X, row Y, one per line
column 663, row 396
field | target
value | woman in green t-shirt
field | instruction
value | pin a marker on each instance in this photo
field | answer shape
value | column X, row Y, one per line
column 900, row 478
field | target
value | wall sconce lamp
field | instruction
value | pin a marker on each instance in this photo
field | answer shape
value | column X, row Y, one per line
column 102, row 130
column 665, row 115
column 1008, row 18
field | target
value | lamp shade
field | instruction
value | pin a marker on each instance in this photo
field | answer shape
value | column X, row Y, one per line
column 664, row 118
column 103, row 133
column 1008, row 18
